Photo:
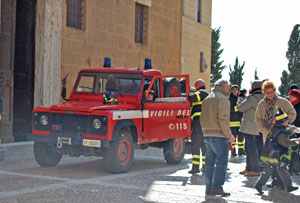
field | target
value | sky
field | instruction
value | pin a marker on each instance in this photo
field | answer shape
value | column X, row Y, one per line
column 257, row 31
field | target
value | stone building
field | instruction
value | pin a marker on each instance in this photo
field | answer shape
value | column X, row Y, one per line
column 44, row 41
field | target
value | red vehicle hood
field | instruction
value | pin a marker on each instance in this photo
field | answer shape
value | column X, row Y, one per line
column 89, row 106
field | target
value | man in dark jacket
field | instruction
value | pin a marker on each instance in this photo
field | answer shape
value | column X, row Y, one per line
column 294, row 97
column 196, row 99
column 235, row 122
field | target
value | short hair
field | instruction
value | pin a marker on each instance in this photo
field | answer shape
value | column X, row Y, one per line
column 200, row 82
column 221, row 82
column 268, row 85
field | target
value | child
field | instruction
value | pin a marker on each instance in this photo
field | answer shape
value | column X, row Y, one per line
column 277, row 154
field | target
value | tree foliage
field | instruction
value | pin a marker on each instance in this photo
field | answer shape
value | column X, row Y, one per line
column 216, row 63
column 292, row 76
column 236, row 74
column 285, row 83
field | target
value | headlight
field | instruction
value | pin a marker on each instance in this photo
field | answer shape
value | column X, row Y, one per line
column 97, row 123
column 44, row 120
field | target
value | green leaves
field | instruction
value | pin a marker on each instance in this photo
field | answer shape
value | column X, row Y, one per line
column 236, row 73
column 292, row 76
column 216, row 63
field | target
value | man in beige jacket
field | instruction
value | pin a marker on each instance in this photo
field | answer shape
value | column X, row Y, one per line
column 215, row 120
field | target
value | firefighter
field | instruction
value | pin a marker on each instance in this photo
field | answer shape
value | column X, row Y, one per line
column 235, row 122
column 277, row 154
column 196, row 97
column 150, row 97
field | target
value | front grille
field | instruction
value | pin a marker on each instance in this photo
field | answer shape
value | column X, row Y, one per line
column 69, row 123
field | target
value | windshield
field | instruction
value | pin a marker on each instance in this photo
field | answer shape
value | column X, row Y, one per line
column 122, row 83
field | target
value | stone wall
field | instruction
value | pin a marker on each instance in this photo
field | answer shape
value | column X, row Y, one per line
column 196, row 38
column 8, row 8
column 109, row 32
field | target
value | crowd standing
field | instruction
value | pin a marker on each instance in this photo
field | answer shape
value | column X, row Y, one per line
column 225, row 118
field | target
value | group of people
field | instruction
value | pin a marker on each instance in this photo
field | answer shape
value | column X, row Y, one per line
column 226, row 117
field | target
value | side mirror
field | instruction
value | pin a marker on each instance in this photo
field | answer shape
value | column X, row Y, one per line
column 64, row 93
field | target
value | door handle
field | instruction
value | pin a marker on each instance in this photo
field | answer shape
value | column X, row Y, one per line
column 181, row 117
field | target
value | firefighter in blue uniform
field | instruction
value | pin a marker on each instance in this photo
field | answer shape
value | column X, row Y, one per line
column 196, row 99
column 277, row 154
column 235, row 122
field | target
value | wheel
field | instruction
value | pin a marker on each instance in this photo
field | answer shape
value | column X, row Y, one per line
column 119, row 157
column 172, row 88
column 174, row 150
column 45, row 154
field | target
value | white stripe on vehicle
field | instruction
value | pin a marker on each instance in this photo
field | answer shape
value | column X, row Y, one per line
column 119, row 115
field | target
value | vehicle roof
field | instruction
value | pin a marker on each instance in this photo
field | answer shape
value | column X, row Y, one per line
column 147, row 72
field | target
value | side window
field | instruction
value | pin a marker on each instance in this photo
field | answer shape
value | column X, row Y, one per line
column 86, row 84
column 174, row 90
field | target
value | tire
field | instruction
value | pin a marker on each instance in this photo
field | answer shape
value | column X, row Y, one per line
column 174, row 150
column 172, row 88
column 119, row 157
column 45, row 154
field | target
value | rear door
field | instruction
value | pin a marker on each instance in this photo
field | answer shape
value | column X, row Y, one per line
column 168, row 116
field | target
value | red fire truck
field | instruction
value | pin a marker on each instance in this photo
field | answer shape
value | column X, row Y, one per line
column 108, row 115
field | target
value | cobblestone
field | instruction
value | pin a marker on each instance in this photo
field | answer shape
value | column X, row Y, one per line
column 85, row 179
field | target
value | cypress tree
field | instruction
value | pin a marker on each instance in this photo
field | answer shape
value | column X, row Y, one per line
column 216, row 63
column 236, row 74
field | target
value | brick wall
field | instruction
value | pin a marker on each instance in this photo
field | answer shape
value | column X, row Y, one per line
column 109, row 32
column 196, row 38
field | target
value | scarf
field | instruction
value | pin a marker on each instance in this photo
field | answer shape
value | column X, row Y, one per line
column 294, row 103
column 269, row 117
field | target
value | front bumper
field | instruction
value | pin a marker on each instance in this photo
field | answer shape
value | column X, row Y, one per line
column 66, row 139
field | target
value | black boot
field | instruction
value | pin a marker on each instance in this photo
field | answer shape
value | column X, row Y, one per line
column 291, row 188
column 242, row 152
column 233, row 154
column 195, row 169
column 258, row 187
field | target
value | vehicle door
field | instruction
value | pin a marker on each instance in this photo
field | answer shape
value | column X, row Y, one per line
column 168, row 115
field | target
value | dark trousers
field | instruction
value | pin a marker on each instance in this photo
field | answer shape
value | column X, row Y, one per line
column 239, row 142
column 252, row 160
column 259, row 144
column 197, row 142
column 280, row 173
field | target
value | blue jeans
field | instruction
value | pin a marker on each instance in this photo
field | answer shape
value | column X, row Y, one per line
column 252, row 159
column 216, row 162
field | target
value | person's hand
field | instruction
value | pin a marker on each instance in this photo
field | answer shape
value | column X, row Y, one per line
column 231, row 139
column 193, row 89
column 299, row 140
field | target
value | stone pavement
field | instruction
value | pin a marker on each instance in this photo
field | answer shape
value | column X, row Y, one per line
column 85, row 179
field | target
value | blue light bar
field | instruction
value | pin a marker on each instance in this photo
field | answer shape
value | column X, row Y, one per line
column 148, row 64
